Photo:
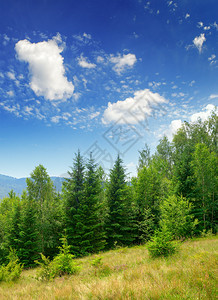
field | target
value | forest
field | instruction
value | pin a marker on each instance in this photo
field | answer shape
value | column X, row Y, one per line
column 174, row 194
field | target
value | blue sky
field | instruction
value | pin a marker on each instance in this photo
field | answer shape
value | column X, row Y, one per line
column 101, row 76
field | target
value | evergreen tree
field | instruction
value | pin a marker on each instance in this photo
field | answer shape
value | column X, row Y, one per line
column 29, row 249
column 144, row 157
column 14, row 226
column 7, row 210
column 74, row 192
column 119, row 222
column 93, row 231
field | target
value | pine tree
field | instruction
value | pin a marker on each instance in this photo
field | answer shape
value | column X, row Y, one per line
column 74, row 192
column 119, row 223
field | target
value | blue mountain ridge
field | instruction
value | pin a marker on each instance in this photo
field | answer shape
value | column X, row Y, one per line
column 8, row 183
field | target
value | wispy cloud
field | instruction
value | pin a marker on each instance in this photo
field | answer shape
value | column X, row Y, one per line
column 83, row 62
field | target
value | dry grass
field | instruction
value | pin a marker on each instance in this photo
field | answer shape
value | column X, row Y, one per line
column 130, row 274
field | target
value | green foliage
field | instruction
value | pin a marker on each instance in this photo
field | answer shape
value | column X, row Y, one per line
column 28, row 235
column 101, row 270
column 161, row 245
column 48, row 220
column 44, row 273
column 176, row 217
column 62, row 264
column 97, row 262
column 119, row 222
column 73, row 192
column 204, row 166
column 12, row 271
column 145, row 226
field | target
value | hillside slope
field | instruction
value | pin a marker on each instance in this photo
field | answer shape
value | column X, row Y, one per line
column 129, row 273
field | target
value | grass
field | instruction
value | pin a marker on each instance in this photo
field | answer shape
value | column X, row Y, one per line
column 129, row 273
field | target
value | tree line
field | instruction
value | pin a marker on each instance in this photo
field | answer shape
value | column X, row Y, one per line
column 175, row 191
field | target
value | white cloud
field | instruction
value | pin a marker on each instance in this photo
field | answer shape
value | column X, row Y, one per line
column 215, row 25
column 187, row 16
column 55, row 119
column 82, row 61
column 11, row 75
column 213, row 96
column 203, row 115
column 200, row 24
column 10, row 93
column 174, row 126
column 100, row 59
column 123, row 62
column 206, row 27
column 198, row 41
column 87, row 36
column 133, row 110
column 94, row 115
column 212, row 59
column 192, row 83
column 46, row 68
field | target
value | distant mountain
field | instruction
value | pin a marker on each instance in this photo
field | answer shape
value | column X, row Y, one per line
column 8, row 183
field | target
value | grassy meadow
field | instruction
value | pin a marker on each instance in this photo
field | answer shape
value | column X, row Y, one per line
column 129, row 273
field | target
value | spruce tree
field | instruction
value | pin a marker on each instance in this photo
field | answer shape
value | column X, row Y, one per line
column 14, row 229
column 74, row 191
column 119, row 223
column 28, row 235
column 93, row 231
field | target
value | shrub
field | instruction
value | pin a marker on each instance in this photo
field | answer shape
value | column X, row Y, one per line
column 44, row 273
column 62, row 264
column 161, row 245
column 12, row 271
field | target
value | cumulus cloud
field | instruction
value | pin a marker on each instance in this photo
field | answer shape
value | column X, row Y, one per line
column 82, row 61
column 46, row 68
column 198, row 41
column 133, row 110
column 203, row 115
column 123, row 62
column 173, row 128
column 176, row 124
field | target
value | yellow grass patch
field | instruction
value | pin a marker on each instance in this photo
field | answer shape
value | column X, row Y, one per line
column 129, row 273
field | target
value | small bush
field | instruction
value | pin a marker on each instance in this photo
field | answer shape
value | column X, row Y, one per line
column 208, row 233
column 12, row 271
column 44, row 273
column 62, row 264
column 161, row 245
